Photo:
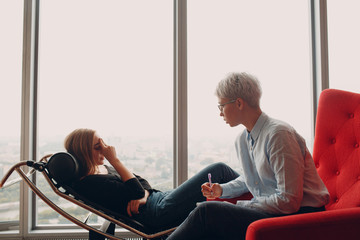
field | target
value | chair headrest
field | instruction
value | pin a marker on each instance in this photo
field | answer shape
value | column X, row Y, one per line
column 63, row 167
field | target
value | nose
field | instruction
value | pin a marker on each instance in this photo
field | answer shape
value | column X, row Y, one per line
column 221, row 114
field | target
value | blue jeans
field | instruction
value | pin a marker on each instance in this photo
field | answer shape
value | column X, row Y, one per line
column 164, row 210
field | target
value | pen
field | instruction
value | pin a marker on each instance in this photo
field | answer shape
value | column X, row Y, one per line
column 209, row 176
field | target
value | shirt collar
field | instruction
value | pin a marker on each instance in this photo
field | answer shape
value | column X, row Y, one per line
column 255, row 132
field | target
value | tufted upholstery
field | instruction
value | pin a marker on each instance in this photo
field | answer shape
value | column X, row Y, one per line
column 337, row 159
column 336, row 147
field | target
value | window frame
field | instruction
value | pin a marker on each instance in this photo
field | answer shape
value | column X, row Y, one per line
column 27, row 227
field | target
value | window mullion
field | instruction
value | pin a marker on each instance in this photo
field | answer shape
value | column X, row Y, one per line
column 180, row 92
column 319, row 48
column 28, row 117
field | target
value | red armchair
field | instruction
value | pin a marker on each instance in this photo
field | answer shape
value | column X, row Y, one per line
column 337, row 158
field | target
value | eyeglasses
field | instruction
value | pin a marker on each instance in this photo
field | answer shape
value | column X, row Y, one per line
column 221, row 106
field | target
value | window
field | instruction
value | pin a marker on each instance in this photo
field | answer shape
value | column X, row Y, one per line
column 11, row 25
column 344, row 49
column 99, row 71
column 236, row 36
column 108, row 65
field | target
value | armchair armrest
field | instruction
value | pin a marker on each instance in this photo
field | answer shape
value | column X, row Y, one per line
column 329, row 225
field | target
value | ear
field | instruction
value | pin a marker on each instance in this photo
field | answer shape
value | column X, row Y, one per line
column 239, row 103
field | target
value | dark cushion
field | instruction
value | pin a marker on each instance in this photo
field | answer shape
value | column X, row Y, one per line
column 63, row 168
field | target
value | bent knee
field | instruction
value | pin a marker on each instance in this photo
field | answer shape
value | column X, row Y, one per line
column 209, row 209
column 207, row 214
column 219, row 165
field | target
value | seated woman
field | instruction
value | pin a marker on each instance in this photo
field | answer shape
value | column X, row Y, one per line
column 119, row 190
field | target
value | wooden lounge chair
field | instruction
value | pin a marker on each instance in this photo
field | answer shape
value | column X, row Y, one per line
column 59, row 171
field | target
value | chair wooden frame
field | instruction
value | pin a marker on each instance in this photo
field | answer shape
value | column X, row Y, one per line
column 94, row 233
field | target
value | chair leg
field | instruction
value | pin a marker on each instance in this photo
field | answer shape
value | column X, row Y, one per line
column 95, row 236
column 107, row 227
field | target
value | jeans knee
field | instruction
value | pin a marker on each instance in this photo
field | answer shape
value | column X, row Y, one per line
column 219, row 166
column 208, row 210
column 207, row 214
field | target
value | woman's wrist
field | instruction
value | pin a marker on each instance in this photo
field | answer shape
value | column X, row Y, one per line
column 122, row 170
column 114, row 161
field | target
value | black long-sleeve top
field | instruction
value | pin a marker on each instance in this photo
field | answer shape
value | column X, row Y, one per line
column 109, row 191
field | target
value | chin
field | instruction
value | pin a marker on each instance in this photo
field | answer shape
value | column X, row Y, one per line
column 232, row 125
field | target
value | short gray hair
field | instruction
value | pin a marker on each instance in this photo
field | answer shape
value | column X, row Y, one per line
column 240, row 85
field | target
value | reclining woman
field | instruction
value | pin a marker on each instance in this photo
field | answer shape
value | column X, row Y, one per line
column 119, row 190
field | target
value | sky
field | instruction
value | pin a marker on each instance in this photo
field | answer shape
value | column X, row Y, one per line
column 109, row 66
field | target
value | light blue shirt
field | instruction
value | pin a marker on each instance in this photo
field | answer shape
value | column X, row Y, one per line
column 278, row 170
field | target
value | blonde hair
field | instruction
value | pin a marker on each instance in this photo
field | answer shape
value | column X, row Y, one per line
column 79, row 143
column 240, row 85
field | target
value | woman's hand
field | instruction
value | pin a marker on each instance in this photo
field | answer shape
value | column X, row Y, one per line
column 109, row 152
column 133, row 205
column 215, row 191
